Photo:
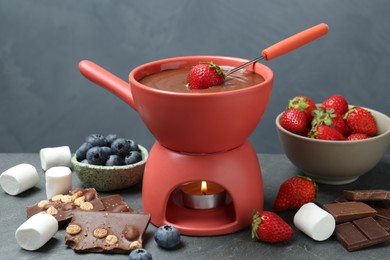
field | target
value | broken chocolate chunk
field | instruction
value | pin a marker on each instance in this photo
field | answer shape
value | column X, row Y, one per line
column 107, row 232
column 115, row 203
column 367, row 195
column 348, row 211
column 63, row 206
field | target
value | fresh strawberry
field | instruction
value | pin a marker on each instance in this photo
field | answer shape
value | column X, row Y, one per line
column 293, row 120
column 294, row 192
column 325, row 132
column 323, row 116
column 353, row 137
column 205, row 75
column 269, row 227
column 338, row 103
column 360, row 120
column 304, row 104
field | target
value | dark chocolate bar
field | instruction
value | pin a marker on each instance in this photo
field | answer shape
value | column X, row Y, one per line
column 367, row 195
column 62, row 206
column 348, row 211
column 106, row 232
column 115, row 203
column 361, row 233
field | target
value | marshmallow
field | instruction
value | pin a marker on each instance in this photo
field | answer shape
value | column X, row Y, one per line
column 36, row 231
column 55, row 156
column 314, row 222
column 58, row 181
column 19, row 178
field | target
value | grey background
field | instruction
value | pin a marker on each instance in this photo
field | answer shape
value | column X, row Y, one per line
column 46, row 102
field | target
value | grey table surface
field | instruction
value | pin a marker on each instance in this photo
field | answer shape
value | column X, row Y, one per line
column 275, row 169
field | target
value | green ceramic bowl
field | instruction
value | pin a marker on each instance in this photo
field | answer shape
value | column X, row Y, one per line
column 108, row 178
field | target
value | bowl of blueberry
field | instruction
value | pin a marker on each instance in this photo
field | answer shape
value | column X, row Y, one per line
column 109, row 162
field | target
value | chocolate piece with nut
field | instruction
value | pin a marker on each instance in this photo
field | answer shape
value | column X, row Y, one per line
column 106, row 232
column 62, row 206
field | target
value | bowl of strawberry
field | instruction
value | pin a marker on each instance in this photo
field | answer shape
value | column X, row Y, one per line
column 332, row 142
column 109, row 162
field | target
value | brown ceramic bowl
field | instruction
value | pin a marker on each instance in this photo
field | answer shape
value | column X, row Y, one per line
column 336, row 162
column 108, row 178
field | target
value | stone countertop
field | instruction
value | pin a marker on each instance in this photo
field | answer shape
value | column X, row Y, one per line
column 275, row 169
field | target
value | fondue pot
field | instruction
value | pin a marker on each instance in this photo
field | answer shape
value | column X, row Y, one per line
column 200, row 138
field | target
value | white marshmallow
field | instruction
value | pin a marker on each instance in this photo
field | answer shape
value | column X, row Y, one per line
column 58, row 181
column 19, row 178
column 55, row 156
column 36, row 231
column 314, row 222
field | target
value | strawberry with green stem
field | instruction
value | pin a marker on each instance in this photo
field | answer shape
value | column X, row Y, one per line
column 205, row 75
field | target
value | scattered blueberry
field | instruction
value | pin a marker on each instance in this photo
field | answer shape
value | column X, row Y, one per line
column 81, row 152
column 97, row 156
column 133, row 157
column 140, row 254
column 167, row 236
column 111, row 138
column 121, row 147
column 114, row 160
column 96, row 140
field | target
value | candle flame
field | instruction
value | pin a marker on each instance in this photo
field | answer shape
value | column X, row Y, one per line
column 203, row 187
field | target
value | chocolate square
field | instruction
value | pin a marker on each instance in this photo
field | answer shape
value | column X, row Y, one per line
column 348, row 211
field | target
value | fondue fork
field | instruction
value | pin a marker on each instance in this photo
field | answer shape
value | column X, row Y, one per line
column 291, row 43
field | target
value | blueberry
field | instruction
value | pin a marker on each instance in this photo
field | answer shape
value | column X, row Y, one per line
column 96, row 140
column 140, row 254
column 85, row 161
column 111, row 138
column 97, row 156
column 107, row 149
column 133, row 157
column 121, row 147
column 115, row 160
column 133, row 145
column 81, row 152
column 167, row 236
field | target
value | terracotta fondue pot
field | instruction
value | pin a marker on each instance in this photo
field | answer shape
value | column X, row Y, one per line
column 190, row 122
column 200, row 122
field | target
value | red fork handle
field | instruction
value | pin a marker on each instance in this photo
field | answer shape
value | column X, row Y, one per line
column 295, row 41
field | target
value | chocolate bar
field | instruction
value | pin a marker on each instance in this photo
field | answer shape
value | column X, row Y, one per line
column 62, row 206
column 361, row 233
column 348, row 211
column 367, row 195
column 115, row 203
column 106, row 232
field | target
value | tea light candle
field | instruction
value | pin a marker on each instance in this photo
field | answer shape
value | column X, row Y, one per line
column 203, row 195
